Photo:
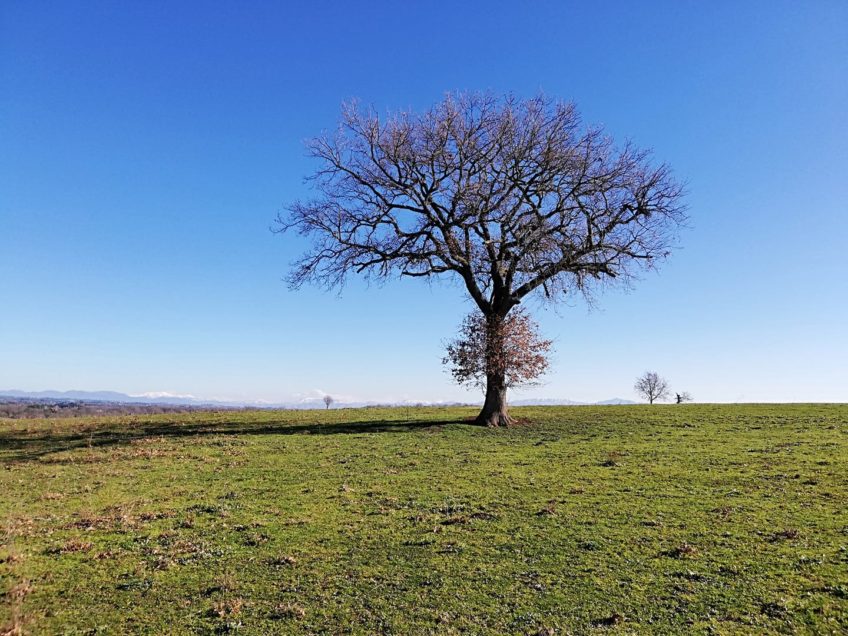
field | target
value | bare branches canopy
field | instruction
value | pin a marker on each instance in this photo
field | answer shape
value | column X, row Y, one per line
column 328, row 400
column 652, row 387
column 511, row 196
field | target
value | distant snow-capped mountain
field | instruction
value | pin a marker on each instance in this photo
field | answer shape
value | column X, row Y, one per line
column 564, row 402
column 171, row 399
column 107, row 396
column 545, row 402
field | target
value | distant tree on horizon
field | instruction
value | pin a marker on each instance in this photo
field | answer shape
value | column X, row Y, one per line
column 511, row 197
column 516, row 350
column 328, row 400
column 680, row 398
column 652, row 387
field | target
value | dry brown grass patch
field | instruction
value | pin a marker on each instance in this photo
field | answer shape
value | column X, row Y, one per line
column 70, row 546
column 227, row 608
column 288, row 611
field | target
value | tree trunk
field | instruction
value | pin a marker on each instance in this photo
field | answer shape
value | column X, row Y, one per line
column 494, row 411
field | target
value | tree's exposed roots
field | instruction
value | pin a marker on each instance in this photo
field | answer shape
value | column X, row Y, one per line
column 495, row 419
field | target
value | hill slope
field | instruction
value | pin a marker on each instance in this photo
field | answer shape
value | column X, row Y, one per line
column 665, row 519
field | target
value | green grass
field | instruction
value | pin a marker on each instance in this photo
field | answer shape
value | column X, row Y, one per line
column 686, row 519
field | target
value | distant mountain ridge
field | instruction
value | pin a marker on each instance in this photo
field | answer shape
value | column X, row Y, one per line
column 309, row 403
column 106, row 396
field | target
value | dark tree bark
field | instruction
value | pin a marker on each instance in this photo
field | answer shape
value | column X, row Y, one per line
column 495, row 412
column 512, row 197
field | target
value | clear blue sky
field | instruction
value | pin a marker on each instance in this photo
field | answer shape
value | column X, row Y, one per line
column 145, row 148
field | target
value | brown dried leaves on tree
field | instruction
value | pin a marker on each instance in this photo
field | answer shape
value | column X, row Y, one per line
column 513, row 349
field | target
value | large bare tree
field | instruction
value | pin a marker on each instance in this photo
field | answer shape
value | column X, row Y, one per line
column 513, row 197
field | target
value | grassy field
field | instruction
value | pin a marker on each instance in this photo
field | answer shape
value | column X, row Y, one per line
column 666, row 519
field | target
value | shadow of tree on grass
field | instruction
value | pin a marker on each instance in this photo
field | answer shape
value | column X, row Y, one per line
column 27, row 445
